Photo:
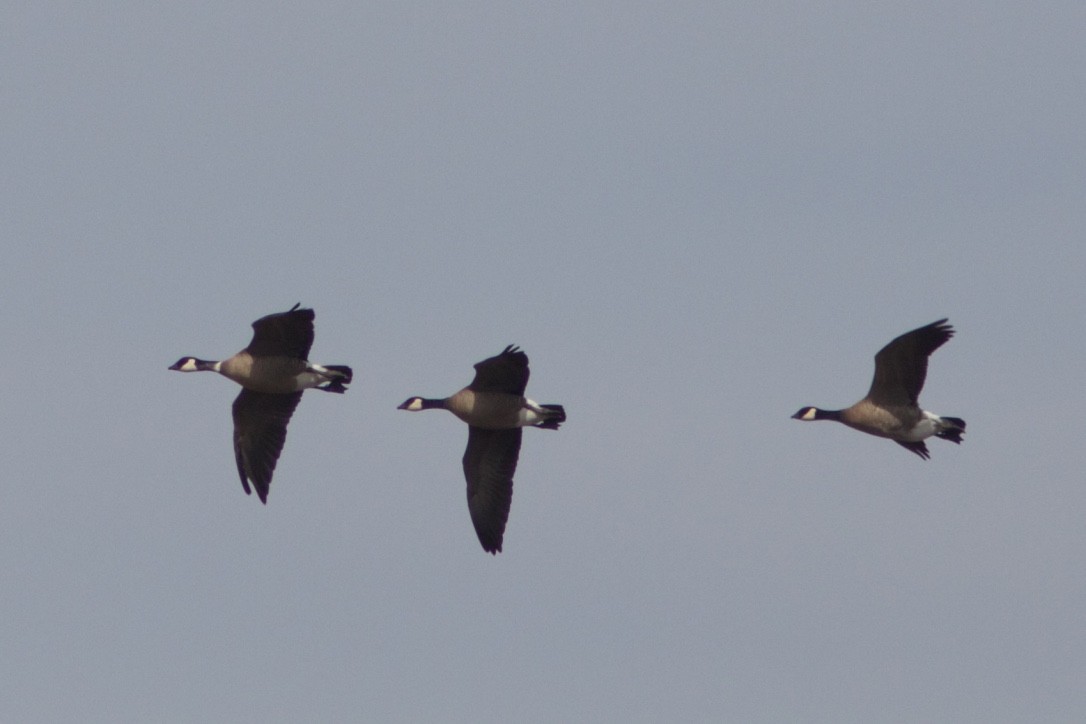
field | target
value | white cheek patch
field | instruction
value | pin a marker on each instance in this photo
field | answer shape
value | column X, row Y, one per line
column 415, row 406
column 189, row 366
column 809, row 415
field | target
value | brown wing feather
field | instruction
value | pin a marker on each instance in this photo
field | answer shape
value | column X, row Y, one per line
column 902, row 366
column 285, row 334
column 260, row 429
column 506, row 372
column 490, row 461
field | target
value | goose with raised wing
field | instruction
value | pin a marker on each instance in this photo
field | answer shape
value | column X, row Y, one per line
column 891, row 408
column 495, row 409
column 272, row 371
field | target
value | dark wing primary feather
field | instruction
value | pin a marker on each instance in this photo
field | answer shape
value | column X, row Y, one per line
column 285, row 334
column 489, row 464
column 260, row 428
column 506, row 372
column 902, row 366
column 917, row 447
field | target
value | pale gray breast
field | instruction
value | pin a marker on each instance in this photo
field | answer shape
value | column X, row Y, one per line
column 491, row 410
column 264, row 374
column 882, row 421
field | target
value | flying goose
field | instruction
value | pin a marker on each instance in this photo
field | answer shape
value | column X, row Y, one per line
column 890, row 408
column 272, row 372
column 495, row 409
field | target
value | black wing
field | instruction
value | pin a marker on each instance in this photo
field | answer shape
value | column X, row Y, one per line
column 902, row 366
column 286, row 334
column 260, row 428
column 506, row 372
column 917, row 447
column 489, row 464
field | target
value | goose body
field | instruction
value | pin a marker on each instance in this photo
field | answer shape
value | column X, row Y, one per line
column 891, row 408
column 495, row 409
column 272, row 371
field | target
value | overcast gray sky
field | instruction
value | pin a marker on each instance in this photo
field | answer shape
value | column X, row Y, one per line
column 694, row 217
